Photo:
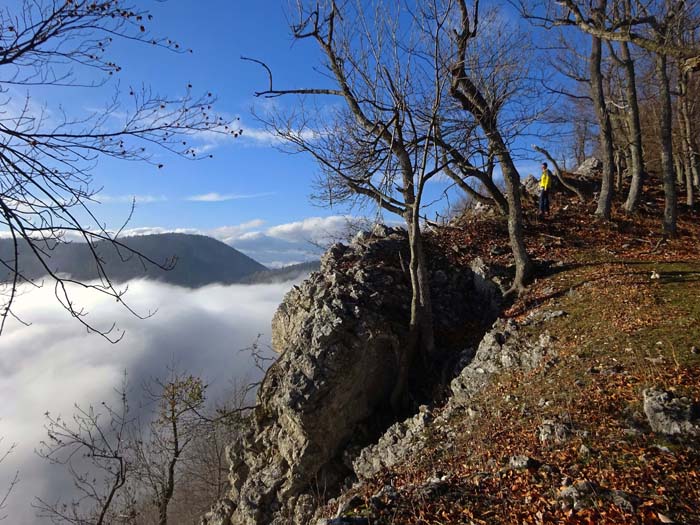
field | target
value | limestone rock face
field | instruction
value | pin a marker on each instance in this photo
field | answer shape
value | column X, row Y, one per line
column 339, row 335
column 220, row 514
column 500, row 350
column 503, row 348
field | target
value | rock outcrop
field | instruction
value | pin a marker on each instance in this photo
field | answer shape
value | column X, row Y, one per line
column 531, row 186
column 502, row 349
column 671, row 415
column 340, row 334
column 589, row 168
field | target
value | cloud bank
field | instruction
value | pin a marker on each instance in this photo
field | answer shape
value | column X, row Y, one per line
column 54, row 363
column 279, row 245
column 274, row 246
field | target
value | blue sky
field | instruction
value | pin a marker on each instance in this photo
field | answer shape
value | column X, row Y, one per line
column 247, row 179
column 250, row 194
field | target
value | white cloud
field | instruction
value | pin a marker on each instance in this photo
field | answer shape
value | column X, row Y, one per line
column 278, row 245
column 219, row 197
column 140, row 199
column 315, row 229
column 54, row 362
column 264, row 137
column 155, row 230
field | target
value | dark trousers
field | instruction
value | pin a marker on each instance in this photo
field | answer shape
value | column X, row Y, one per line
column 544, row 202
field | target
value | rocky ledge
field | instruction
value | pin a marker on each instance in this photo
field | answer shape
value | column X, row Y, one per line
column 340, row 335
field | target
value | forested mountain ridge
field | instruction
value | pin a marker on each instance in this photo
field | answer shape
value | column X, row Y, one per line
column 188, row 260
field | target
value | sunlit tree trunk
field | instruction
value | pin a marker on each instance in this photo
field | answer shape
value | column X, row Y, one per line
column 666, row 139
column 635, row 166
column 605, row 132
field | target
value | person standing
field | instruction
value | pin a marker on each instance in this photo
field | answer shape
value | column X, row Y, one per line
column 545, row 183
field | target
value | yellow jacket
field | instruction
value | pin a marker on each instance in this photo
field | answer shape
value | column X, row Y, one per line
column 545, row 180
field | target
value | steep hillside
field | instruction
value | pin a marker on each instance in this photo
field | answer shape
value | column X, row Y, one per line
column 580, row 404
column 572, row 434
column 194, row 260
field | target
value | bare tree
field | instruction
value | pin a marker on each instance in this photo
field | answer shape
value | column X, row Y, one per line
column 605, row 126
column 47, row 156
column 687, row 123
column 380, row 143
column 205, row 466
column 14, row 480
column 485, row 111
column 634, row 128
column 498, row 61
column 159, row 447
column 94, row 447
column 129, row 468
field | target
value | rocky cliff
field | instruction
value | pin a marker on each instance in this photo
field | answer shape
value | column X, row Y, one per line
column 340, row 334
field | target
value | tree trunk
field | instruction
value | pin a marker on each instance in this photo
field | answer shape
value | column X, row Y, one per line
column 495, row 192
column 420, row 331
column 516, row 233
column 523, row 263
column 464, row 90
column 636, row 166
column 606, row 140
column 666, row 139
column 618, row 156
column 169, row 488
column 689, row 156
column 689, row 189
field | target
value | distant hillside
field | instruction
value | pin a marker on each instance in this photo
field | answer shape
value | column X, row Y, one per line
column 280, row 275
column 200, row 260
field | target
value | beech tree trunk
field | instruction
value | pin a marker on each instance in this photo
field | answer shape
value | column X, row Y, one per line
column 618, row 156
column 666, row 139
column 689, row 155
column 472, row 100
column 605, row 131
column 523, row 263
column 636, row 165
column 169, row 489
column 516, row 233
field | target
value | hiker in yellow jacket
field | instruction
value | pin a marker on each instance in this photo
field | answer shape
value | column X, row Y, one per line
column 545, row 183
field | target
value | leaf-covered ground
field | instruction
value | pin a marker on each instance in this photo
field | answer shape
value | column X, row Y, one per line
column 632, row 303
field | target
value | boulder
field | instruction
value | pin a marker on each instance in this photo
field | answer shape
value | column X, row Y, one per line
column 589, row 168
column 531, row 186
column 671, row 415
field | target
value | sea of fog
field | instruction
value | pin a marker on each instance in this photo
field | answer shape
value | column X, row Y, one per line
column 54, row 362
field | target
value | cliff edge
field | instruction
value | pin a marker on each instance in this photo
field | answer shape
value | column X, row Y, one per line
column 339, row 335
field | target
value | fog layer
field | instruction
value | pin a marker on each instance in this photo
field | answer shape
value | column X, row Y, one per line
column 54, row 362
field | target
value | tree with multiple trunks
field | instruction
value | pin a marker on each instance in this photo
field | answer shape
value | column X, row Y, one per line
column 408, row 111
